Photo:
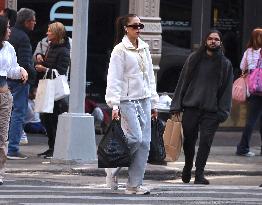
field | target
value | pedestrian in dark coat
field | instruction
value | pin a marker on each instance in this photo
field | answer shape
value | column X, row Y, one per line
column 57, row 57
column 19, row 39
column 203, row 94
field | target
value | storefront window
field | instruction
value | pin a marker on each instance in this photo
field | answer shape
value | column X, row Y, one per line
column 176, row 41
column 227, row 17
column 102, row 14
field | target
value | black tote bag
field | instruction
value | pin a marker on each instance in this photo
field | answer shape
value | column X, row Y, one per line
column 157, row 152
column 113, row 150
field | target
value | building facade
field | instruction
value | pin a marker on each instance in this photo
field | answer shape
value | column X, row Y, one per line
column 173, row 28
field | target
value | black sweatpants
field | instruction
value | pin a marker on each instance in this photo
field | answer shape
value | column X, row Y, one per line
column 195, row 120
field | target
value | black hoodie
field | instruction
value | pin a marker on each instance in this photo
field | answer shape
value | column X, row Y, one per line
column 205, row 83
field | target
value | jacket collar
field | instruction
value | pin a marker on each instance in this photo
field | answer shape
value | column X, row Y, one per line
column 21, row 27
column 129, row 45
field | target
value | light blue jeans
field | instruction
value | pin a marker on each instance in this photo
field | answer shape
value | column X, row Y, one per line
column 136, row 124
column 20, row 104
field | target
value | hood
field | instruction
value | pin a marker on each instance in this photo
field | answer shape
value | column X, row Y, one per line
column 129, row 45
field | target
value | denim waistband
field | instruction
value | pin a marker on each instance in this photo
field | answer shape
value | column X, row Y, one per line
column 3, row 81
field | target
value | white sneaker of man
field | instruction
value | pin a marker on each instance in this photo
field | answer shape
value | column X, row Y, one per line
column 140, row 190
column 23, row 139
column 111, row 181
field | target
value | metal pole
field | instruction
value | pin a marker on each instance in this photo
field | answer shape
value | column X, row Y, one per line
column 75, row 136
column 79, row 56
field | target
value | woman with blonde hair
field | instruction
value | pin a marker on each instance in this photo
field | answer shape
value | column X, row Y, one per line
column 57, row 57
column 8, row 68
column 252, row 59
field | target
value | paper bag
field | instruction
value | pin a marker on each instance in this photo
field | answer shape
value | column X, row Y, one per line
column 173, row 138
column 45, row 94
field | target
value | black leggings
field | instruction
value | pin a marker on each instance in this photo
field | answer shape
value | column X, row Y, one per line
column 50, row 121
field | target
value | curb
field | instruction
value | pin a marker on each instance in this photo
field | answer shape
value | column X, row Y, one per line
column 149, row 174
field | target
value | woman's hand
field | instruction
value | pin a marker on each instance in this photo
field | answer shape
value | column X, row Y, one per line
column 40, row 68
column 154, row 113
column 39, row 58
column 24, row 74
column 115, row 114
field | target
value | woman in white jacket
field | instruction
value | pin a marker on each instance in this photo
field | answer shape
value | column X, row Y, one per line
column 8, row 68
column 131, row 89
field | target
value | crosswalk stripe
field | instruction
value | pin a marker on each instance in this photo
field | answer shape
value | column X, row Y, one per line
column 154, row 191
column 164, row 192
column 130, row 198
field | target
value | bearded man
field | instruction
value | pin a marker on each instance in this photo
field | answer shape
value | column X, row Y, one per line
column 203, row 94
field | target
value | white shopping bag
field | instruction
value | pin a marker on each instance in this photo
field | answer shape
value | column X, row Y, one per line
column 61, row 86
column 45, row 94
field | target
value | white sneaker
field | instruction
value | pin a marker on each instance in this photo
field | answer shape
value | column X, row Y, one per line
column 137, row 190
column 1, row 181
column 111, row 181
column 248, row 154
column 23, row 139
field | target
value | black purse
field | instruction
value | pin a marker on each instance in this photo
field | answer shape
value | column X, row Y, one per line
column 157, row 152
column 113, row 150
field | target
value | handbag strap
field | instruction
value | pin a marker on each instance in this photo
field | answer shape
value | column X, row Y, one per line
column 47, row 69
column 259, row 60
column 55, row 72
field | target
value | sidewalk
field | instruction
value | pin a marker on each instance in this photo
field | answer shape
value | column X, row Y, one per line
column 222, row 160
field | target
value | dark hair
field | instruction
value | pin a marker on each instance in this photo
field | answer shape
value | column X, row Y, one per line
column 11, row 14
column 200, row 52
column 24, row 14
column 255, row 40
column 203, row 45
column 119, row 26
column 3, row 29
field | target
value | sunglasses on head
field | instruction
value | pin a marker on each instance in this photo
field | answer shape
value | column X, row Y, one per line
column 136, row 26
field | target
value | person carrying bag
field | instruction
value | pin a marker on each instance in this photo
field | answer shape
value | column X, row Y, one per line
column 251, row 63
column 131, row 93
column 57, row 58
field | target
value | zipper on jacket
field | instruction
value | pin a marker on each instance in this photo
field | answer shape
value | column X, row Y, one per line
column 127, row 86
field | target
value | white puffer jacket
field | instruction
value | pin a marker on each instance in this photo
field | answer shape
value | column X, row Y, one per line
column 130, row 74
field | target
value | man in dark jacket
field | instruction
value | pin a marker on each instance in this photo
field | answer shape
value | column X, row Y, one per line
column 203, row 94
column 25, row 23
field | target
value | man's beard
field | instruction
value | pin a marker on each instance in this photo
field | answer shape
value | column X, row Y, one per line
column 213, row 49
